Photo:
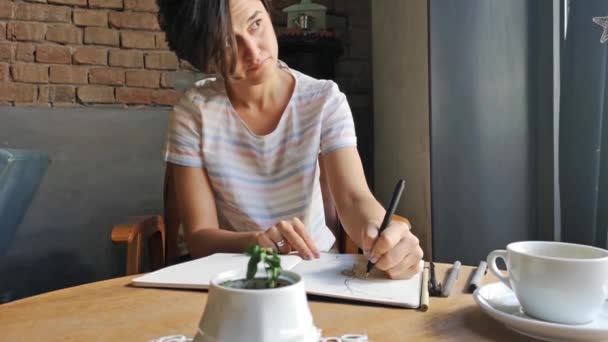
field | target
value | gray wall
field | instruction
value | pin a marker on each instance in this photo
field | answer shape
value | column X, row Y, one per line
column 464, row 110
column 492, row 124
column 401, row 109
column 106, row 165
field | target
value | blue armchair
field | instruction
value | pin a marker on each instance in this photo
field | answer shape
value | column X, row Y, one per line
column 20, row 174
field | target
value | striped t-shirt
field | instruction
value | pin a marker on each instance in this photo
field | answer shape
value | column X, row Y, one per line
column 260, row 180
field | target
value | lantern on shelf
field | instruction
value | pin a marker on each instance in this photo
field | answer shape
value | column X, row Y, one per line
column 306, row 15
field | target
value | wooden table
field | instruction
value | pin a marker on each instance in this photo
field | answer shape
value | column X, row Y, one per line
column 112, row 310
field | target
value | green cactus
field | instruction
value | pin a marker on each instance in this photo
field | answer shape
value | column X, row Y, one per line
column 271, row 260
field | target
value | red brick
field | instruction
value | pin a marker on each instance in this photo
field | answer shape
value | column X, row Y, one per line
column 166, row 97
column 134, row 95
column 37, row 12
column 115, row 4
column 161, row 60
column 90, row 55
column 69, row 2
column 32, row 12
column 125, row 58
column 31, row 104
column 57, row 93
column 7, row 10
column 96, row 94
column 59, row 14
column 62, row 93
column 161, row 41
column 5, row 75
column 137, row 40
column 30, row 72
column 18, row 92
column 2, row 31
column 65, row 34
column 165, row 80
column 7, row 52
column 25, row 52
column 107, row 76
column 84, row 17
column 143, row 78
column 141, row 5
column 53, row 54
column 101, row 36
column 68, row 74
column 43, row 93
column 133, row 20
column 17, row 30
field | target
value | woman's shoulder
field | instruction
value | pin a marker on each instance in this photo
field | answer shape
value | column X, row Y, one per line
column 210, row 87
column 207, row 88
column 205, row 91
column 204, row 98
column 313, row 88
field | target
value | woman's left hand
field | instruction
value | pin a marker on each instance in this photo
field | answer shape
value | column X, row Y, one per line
column 396, row 251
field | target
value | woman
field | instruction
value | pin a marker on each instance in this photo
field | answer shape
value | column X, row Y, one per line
column 246, row 145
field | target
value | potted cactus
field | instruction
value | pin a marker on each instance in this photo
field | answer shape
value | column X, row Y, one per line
column 272, row 264
column 257, row 304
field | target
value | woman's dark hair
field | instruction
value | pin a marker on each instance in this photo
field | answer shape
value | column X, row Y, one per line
column 200, row 32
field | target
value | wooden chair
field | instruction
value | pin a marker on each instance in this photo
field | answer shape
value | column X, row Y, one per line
column 161, row 232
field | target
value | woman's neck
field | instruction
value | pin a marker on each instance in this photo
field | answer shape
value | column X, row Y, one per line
column 260, row 96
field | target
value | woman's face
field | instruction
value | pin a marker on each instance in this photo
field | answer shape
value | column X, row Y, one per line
column 256, row 42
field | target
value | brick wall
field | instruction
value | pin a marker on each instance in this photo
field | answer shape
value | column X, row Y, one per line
column 79, row 52
column 100, row 52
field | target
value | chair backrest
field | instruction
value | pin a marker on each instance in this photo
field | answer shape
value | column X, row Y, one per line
column 20, row 174
column 172, row 220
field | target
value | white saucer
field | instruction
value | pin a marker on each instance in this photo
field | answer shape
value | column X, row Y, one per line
column 500, row 302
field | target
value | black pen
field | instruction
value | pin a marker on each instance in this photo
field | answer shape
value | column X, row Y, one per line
column 434, row 288
column 389, row 213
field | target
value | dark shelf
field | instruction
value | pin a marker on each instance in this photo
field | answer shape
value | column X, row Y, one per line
column 314, row 55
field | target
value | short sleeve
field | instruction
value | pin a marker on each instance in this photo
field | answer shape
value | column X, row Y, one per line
column 337, row 127
column 184, row 141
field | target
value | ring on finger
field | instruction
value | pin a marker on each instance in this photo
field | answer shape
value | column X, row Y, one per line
column 280, row 243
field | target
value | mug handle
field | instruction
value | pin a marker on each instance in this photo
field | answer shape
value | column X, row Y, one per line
column 491, row 260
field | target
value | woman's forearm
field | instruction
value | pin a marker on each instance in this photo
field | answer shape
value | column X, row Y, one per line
column 356, row 214
column 204, row 242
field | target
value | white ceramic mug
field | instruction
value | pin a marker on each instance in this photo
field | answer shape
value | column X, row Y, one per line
column 278, row 314
column 555, row 281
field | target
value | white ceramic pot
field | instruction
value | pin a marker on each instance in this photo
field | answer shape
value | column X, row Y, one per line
column 279, row 314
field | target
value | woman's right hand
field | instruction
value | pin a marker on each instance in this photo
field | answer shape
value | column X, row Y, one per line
column 287, row 236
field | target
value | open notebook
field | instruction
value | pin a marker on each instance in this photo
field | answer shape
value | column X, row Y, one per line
column 331, row 275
